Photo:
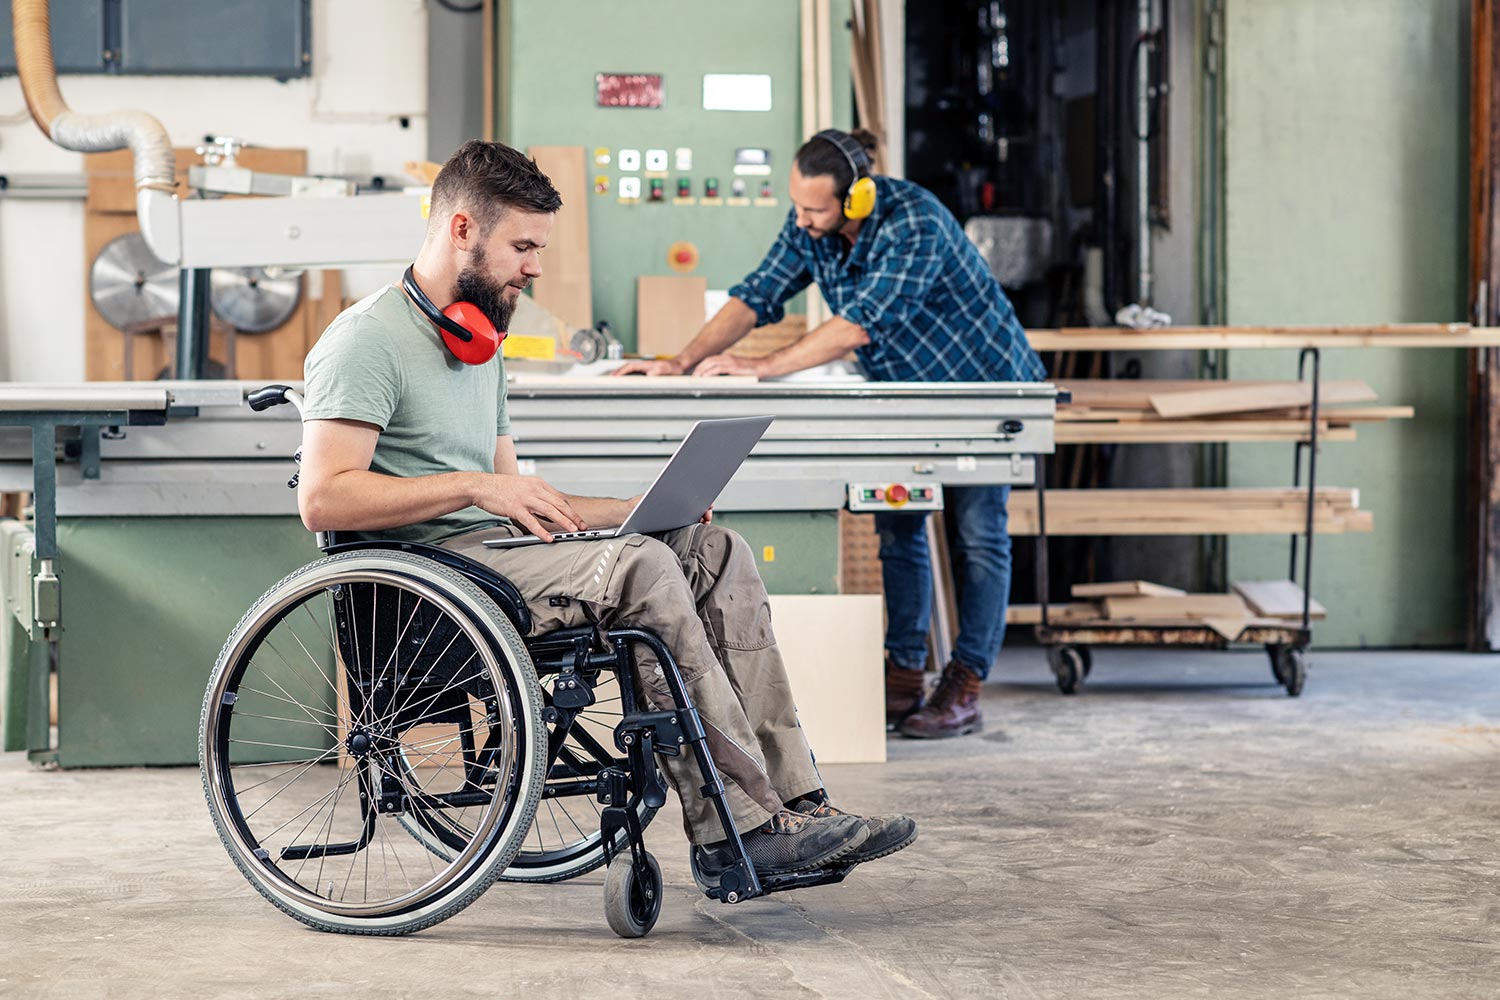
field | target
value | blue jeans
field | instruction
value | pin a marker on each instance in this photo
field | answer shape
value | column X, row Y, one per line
column 981, row 568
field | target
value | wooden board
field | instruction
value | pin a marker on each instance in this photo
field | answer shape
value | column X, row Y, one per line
column 1276, row 599
column 1057, row 614
column 1195, row 431
column 1126, row 588
column 1189, row 606
column 1242, row 511
column 564, row 287
column 772, row 337
column 833, row 647
column 668, row 312
column 1228, row 397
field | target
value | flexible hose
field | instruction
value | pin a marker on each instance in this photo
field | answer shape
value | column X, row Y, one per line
column 147, row 139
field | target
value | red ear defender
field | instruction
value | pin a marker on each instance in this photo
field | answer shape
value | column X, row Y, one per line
column 484, row 339
column 466, row 331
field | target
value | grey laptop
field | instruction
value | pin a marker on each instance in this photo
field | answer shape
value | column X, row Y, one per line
column 692, row 480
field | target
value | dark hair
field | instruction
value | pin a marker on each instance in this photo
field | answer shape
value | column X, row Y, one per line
column 821, row 158
column 484, row 178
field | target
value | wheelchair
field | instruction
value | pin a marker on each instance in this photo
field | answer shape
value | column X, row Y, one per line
column 382, row 739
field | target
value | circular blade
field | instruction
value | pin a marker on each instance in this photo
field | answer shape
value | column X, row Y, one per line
column 589, row 344
column 255, row 299
column 130, row 287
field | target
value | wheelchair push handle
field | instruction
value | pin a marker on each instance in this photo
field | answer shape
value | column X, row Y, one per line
column 273, row 395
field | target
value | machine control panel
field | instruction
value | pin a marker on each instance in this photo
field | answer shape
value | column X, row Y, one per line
column 867, row 498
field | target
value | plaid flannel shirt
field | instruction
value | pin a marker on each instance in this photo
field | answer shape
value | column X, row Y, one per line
column 913, row 282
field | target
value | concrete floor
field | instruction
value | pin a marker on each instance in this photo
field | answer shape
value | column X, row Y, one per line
column 1180, row 829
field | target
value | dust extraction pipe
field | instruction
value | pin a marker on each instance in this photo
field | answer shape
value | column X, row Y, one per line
column 155, row 166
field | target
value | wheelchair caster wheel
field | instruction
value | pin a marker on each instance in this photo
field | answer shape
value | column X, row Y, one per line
column 1070, row 665
column 632, row 899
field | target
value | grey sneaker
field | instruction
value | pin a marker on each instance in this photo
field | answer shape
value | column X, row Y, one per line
column 888, row 834
column 789, row 842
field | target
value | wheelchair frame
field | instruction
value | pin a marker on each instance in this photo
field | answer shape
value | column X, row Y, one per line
column 631, row 788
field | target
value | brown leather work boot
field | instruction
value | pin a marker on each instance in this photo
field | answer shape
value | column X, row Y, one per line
column 953, row 710
column 903, row 693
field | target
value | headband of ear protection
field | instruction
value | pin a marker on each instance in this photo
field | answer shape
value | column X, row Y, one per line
column 859, row 200
column 467, row 333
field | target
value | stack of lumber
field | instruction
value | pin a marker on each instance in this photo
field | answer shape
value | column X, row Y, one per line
column 1209, row 511
column 1140, row 410
column 1141, row 604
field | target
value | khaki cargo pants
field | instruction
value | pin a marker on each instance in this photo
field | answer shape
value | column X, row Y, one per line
column 697, row 588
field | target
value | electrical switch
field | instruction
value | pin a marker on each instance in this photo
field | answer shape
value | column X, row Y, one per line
column 711, row 187
column 684, row 187
column 658, row 189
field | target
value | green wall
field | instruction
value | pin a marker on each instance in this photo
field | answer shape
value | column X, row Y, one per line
column 1346, row 192
column 550, row 51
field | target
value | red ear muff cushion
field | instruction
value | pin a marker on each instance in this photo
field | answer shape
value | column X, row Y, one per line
column 485, row 339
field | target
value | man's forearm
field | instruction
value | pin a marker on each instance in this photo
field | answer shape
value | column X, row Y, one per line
column 360, row 500
column 828, row 342
column 728, row 327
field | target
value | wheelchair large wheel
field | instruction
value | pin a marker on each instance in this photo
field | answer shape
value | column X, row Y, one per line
column 565, row 839
column 365, row 688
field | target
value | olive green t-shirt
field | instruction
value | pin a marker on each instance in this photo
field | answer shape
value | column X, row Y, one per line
column 382, row 362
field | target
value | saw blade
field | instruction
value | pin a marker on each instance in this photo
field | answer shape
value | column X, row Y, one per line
column 255, row 299
column 130, row 287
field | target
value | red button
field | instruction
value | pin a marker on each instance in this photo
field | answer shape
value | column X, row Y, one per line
column 897, row 494
column 684, row 256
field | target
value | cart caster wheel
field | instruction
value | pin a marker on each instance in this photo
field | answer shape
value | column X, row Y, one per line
column 1088, row 659
column 1289, row 666
column 632, row 899
column 1070, row 665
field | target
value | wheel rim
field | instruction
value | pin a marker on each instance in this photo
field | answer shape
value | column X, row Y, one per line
column 302, row 742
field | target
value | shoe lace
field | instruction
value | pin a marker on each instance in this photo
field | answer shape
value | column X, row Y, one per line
column 785, row 821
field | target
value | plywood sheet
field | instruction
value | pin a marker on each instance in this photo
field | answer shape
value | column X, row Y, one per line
column 1229, row 397
column 1276, row 599
column 668, row 312
column 1191, row 606
column 1126, row 588
column 833, row 647
column 565, row 285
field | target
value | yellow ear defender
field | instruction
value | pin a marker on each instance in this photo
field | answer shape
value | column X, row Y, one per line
column 859, row 200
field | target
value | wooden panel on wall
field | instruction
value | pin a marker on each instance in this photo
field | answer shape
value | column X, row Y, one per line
column 669, row 312
column 564, row 287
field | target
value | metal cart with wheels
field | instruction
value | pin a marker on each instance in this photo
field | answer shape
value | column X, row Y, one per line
column 1069, row 645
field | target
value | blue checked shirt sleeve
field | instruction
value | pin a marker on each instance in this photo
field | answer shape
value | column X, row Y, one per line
column 781, row 275
column 902, row 273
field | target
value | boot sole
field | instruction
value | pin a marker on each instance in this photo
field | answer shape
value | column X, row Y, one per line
column 701, row 877
column 885, row 853
column 961, row 731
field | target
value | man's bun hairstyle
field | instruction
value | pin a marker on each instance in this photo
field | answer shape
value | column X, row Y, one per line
column 820, row 158
column 482, row 179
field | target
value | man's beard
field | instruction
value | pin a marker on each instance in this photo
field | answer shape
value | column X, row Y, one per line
column 485, row 293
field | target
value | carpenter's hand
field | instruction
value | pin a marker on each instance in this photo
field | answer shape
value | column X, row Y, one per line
column 727, row 364
column 661, row 366
column 529, row 501
column 708, row 517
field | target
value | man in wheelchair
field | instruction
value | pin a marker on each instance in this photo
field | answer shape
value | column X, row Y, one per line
column 406, row 436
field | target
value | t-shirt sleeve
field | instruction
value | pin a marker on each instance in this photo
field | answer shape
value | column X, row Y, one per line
column 352, row 374
column 502, row 413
